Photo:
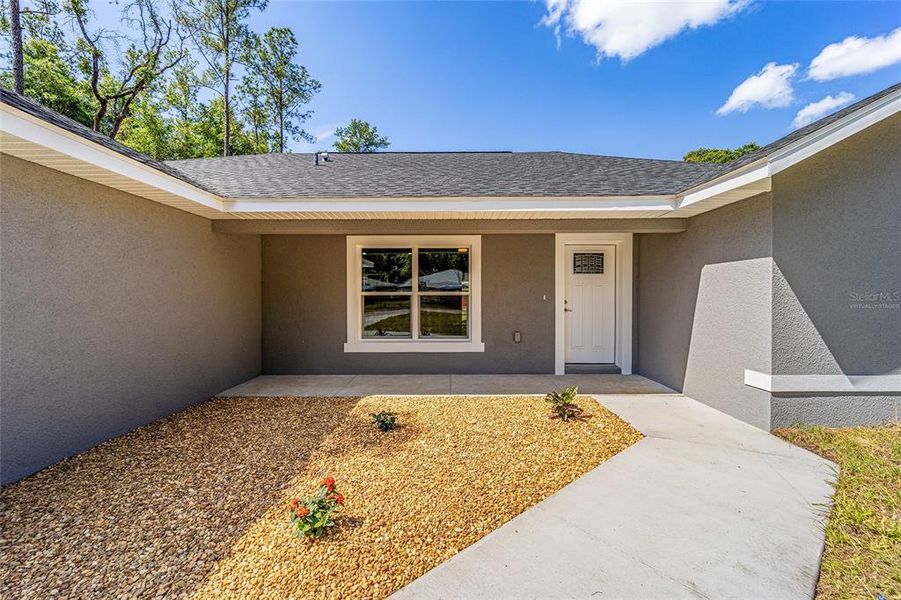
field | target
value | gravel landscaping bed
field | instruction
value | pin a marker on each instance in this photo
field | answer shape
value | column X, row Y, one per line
column 195, row 504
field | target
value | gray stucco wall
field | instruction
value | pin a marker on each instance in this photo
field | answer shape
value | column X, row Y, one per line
column 304, row 310
column 115, row 311
column 837, row 234
column 704, row 307
column 805, row 280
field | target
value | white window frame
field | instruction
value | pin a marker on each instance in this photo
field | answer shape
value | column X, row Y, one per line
column 356, row 342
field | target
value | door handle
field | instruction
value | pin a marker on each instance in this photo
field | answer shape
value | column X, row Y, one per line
column 567, row 310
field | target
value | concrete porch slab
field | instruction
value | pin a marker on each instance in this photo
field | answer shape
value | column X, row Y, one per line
column 704, row 507
column 289, row 385
column 367, row 385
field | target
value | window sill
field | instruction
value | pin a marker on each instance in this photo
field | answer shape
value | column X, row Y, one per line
column 411, row 346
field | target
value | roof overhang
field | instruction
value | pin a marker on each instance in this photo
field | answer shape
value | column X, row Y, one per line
column 756, row 177
column 30, row 138
column 27, row 137
column 486, row 207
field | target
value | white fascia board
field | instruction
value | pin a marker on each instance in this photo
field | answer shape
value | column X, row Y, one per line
column 42, row 133
column 824, row 384
column 835, row 132
column 759, row 173
column 459, row 204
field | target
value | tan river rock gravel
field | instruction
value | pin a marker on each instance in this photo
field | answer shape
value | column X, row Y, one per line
column 195, row 505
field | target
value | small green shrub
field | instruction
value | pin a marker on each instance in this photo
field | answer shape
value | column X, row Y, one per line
column 385, row 421
column 563, row 405
column 313, row 516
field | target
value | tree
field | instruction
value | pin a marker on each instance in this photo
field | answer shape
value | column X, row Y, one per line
column 255, row 112
column 148, row 130
column 142, row 63
column 719, row 155
column 359, row 136
column 50, row 80
column 219, row 30
column 14, row 20
column 283, row 86
column 15, row 26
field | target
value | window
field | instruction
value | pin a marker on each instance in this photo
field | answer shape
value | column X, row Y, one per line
column 588, row 263
column 413, row 294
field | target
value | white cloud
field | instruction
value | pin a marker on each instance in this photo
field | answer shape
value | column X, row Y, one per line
column 626, row 29
column 771, row 88
column 815, row 110
column 856, row 56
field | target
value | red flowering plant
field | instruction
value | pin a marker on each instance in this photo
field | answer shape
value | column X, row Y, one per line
column 313, row 516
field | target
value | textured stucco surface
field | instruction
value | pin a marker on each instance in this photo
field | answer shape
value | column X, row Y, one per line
column 835, row 410
column 304, row 310
column 704, row 307
column 837, row 275
column 837, row 232
column 115, row 311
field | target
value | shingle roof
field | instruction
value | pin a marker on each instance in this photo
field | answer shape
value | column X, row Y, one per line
column 795, row 136
column 437, row 174
column 430, row 174
column 34, row 109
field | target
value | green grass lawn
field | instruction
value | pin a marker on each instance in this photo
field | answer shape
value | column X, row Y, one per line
column 863, row 533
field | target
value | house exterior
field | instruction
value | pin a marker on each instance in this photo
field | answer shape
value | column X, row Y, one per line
column 768, row 288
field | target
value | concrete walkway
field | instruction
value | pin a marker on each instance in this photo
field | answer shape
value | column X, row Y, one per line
column 705, row 506
column 367, row 385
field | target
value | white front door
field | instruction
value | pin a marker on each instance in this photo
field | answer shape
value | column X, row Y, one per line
column 590, row 304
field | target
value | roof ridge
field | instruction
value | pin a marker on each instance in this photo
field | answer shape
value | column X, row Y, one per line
column 669, row 160
column 443, row 152
column 629, row 177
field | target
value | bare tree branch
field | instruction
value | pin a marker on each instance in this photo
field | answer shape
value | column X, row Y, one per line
column 143, row 61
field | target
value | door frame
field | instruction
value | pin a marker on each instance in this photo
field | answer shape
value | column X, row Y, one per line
column 623, row 295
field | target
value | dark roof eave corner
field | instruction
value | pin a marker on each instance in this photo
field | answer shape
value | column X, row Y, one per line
column 39, row 111
column 764, row 152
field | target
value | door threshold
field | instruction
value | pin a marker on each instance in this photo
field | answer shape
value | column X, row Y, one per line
column 592, row 369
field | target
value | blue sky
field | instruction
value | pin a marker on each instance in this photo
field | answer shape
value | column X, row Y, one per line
column 491, row 76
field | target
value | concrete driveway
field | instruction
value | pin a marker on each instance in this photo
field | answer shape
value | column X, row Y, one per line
column 705, row 506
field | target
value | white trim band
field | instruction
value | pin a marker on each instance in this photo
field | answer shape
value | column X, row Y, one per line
column 824, row 384
column 417, row 346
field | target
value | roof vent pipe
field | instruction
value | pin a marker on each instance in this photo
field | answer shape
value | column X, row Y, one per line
column 316, row 158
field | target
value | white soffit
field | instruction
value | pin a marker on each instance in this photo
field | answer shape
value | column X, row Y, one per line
column 745, row 183
column 613, row 207
column 37, row 141
column 358, row 214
